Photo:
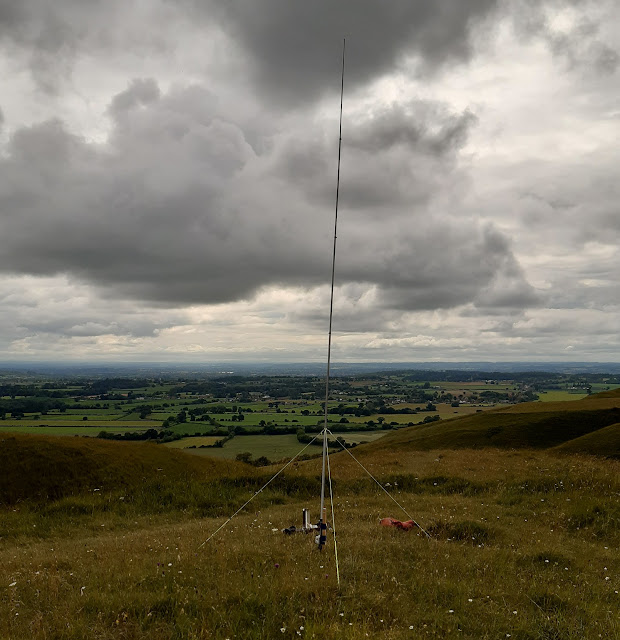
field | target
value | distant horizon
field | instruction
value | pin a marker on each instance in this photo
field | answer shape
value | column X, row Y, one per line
column 306, row 368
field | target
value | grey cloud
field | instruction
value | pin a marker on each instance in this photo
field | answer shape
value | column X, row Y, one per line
column 48, row 37
column 397, row 156
column 597, row 292
column 89, row 327
column 606, row 59
column 452, row 266
column 178, row 209
column 48, row 310
column 578, row 46
column 576, row 201
column 418, row 125
column 288, row 51
column 557, row 326
column 141, row 92
column 294, row 47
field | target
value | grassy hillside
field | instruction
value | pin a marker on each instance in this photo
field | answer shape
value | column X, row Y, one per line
column 532, row 425
column 612, row 393
column 523, row 544
column 104, row 539
column 48, row 467
column 603, row 442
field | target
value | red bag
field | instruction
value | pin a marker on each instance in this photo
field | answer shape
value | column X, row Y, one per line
column 392, row 522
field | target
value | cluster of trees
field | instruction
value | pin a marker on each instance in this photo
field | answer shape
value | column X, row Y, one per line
column 105, row 385
column 149, row 434
column 20, row 406
column 292, row 387
column 165, row 435
column 371, row 407
column 32, row 390
column 246, row 457
column 306, row 438
column 191, row 414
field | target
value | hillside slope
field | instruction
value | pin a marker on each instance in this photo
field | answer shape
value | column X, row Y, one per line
column 42, row 467
column 532, row 425
column 602, row 442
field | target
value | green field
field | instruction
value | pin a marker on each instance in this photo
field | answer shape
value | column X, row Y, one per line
column 560, row 396
column 253, row 419
column 79, row 429
column 272, row 447
column 184, row 443
column 360, row 436
column 71, row 421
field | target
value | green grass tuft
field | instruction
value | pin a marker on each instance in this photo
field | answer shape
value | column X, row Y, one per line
column 465, row 531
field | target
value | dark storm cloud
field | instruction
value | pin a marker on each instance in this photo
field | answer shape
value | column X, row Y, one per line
column 177, row 208
column 444, row 264
column 294, row 46
column 290, row 51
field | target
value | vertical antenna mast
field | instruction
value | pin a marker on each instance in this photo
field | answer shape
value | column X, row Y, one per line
column 323, row 519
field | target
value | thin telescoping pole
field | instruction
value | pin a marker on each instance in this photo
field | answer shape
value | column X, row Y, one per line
column 323, row 517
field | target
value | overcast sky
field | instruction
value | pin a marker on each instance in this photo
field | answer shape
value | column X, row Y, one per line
column 168, row 179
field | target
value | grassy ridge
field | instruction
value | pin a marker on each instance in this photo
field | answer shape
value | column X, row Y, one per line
column 532, row 425
column 603, row 442
column 47, row 467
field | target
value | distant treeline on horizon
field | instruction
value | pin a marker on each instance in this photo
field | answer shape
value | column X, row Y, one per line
column 155, row 369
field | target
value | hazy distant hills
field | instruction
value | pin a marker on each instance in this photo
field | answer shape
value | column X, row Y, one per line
column 296, row 368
